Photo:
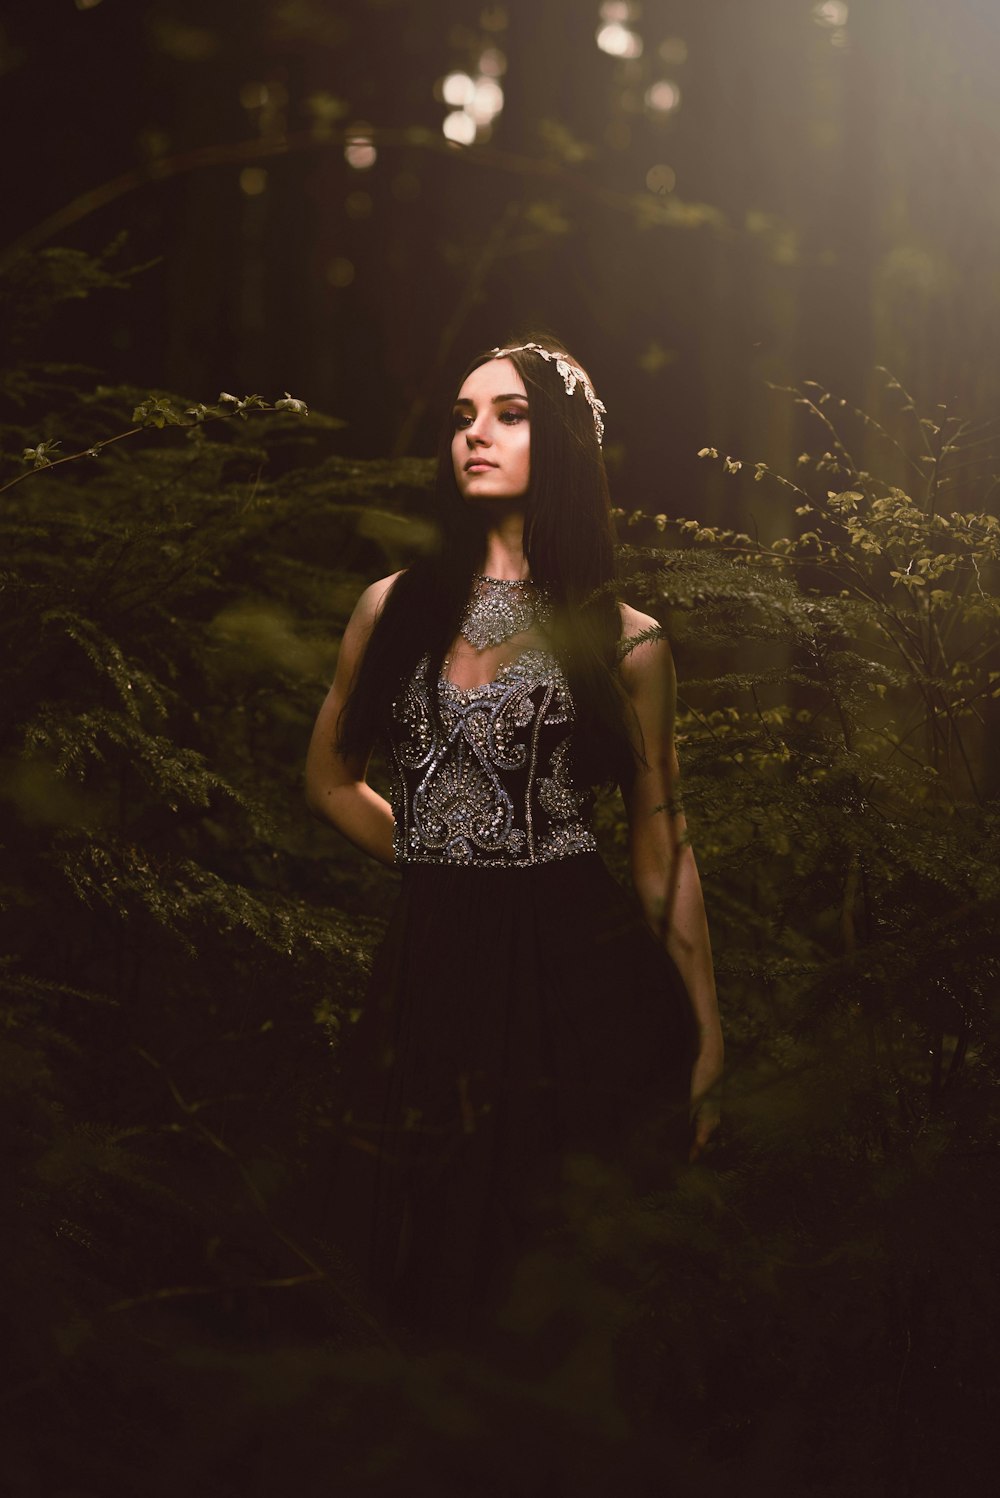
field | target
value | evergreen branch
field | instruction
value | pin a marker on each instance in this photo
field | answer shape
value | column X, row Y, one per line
column 177, row 1292
column 316, row 1271
column 202, row 416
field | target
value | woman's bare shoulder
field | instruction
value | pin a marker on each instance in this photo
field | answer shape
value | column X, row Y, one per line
column 369, row 604
column 634, row 622
column 376, row 593
column 651, row 653
column 364, row 615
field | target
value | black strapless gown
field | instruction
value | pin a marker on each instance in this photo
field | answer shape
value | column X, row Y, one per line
column 524, row 1032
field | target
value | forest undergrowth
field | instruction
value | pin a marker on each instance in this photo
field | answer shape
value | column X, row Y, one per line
column 812, row 1310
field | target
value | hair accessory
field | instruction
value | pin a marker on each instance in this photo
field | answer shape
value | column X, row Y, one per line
column 572, row 375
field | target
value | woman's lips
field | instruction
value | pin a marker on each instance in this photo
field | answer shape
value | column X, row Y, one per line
column 478, row 465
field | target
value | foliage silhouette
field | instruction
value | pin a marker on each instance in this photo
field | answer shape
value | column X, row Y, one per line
column 182, row 948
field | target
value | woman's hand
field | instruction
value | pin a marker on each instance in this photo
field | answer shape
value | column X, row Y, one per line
column 705, row 1073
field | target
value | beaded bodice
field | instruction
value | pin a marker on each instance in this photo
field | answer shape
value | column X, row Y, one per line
column 490, row 784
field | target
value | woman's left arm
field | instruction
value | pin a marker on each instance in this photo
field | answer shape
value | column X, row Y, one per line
column 664, row 871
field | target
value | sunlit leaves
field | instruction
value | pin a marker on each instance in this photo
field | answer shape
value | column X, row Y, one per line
column 293, row 404
column 41, row 456
column 157, row 412
column 236, row 406
column 897, row 626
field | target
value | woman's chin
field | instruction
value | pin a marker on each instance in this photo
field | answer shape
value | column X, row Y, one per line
column 482, row 499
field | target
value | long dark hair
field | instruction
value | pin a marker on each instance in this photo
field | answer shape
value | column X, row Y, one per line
column 569, row 544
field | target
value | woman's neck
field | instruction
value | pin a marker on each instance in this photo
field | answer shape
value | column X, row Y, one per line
column 504, row 555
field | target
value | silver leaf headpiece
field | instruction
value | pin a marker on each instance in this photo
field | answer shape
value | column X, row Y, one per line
column 572, row 375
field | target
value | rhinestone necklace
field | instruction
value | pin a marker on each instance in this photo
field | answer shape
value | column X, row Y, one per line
column 500, row 608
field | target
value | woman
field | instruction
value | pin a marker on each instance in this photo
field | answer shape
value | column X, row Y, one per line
column 524, row 1014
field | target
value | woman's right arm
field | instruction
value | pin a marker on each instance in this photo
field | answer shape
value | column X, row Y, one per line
column 336, row 788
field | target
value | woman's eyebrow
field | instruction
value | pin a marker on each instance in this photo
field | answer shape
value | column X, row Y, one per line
column 515, row 395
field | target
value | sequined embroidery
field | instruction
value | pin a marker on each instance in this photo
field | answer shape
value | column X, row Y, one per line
column 490, row 785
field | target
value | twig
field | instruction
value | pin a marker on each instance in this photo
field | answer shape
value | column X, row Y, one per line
column 96, row 448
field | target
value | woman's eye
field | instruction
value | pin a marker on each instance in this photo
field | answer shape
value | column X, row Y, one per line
column 510, row 417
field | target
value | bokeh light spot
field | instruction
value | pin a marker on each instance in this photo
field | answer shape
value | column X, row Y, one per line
column 832, row 13
column 340, row 272
column 663, row 96
column 674, row 49
column 459, row 127
column 253, row 181
column 360, row 152
column 618, row 41
column 87, row 4
column 656, row 358
column 494, row 18
column 185, row 43
column 253, row 95
column 492, row 63
column 358, row 204
column 661, row 178
column 486, row 102
column 458, row 90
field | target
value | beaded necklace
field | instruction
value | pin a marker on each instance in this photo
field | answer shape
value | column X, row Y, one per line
column 500, row 608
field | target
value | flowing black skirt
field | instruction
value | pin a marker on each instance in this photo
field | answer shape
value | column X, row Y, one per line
column 522, row 1026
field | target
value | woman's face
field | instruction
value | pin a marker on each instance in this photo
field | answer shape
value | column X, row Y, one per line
column 491, row 447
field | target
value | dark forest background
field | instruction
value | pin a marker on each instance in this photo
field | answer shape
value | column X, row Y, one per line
column 247, row 247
